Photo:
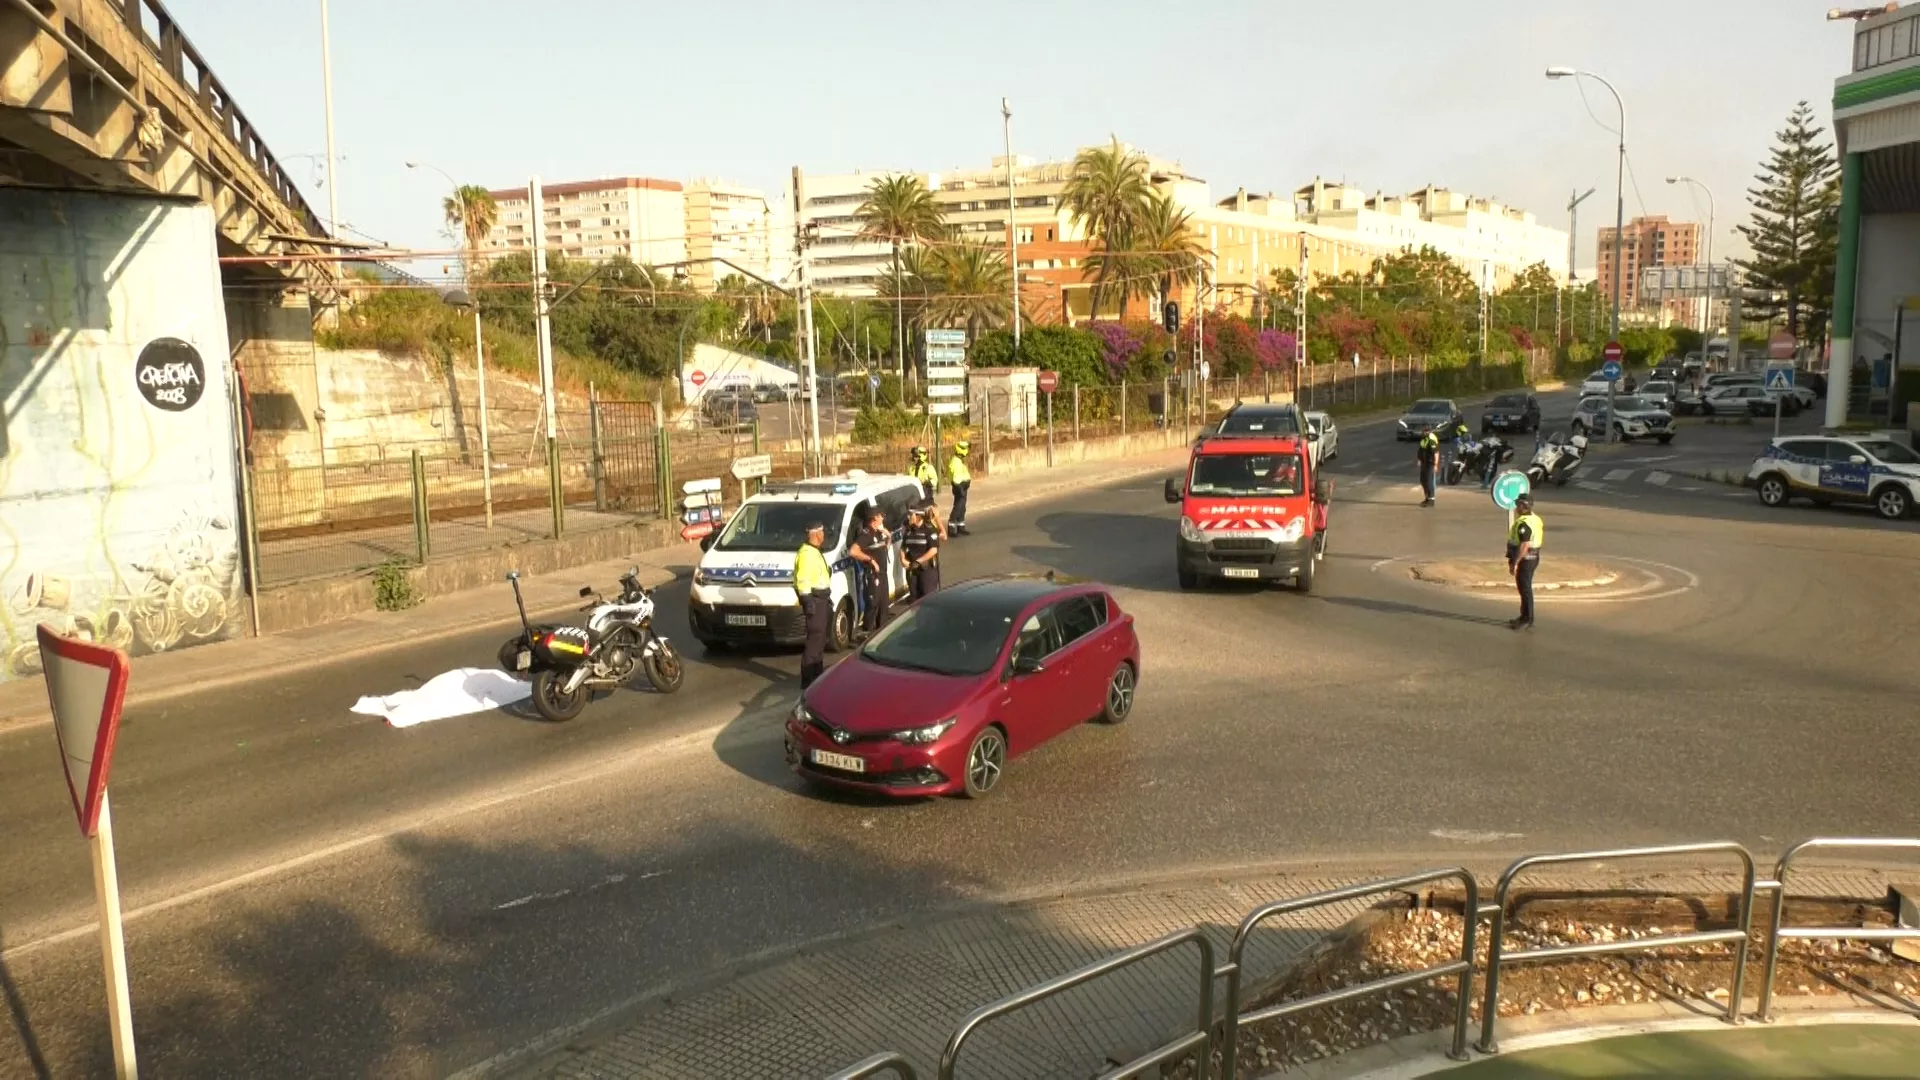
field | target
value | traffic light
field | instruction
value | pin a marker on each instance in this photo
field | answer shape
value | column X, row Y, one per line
column 1170, row 316
column 1168, row 358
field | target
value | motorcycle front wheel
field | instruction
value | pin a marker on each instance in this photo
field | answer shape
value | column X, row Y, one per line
column 665, row 670
column 551, row 700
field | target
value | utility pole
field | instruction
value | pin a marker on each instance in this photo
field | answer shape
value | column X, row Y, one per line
column 326, row 88
column 1484, row 282
column 543, row 345
column 1013, row 231
column 1300, row 320
column 1573, row 246
column 806, row 318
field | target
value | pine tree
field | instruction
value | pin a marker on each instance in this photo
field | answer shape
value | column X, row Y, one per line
column 1795, row 229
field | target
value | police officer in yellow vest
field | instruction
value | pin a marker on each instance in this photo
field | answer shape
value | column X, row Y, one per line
column 922, row 470
column 812, row 582
column 961, row 478
column 1524, row 541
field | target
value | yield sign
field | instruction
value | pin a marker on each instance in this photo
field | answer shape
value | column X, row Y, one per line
column 86, row 685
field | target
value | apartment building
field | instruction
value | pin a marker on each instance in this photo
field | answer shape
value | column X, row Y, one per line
column 639, row 217
column 842, row 262
column 738, row 224
column 1647, row 241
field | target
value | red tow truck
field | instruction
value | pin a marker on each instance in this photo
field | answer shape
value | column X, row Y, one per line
column 1252, row 505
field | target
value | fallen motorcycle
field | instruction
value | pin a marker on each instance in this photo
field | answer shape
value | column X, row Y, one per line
column 567, row 663
column 1558, row 459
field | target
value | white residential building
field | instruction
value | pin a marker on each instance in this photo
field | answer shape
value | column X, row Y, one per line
column 639, row 217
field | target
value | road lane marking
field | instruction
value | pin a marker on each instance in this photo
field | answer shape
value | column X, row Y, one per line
column 1660, row 478
column 1473, row 836
column 1617, row 474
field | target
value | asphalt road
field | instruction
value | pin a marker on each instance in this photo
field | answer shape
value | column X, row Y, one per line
column 314, row 894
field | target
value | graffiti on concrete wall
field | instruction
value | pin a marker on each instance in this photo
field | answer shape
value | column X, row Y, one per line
column 117, row 490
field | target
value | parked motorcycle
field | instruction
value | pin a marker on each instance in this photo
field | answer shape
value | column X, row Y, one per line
column 1478, row 458
column 567, row 663
column 1557, row 460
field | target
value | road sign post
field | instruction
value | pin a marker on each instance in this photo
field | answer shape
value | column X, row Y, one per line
column 86, row 686
column 1048, row 381
column 1779, row 383
column 1614, row 356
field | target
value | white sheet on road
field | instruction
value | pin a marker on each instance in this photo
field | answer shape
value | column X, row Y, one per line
column 455, row 693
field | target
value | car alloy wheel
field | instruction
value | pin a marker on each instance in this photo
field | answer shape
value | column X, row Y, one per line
column 1773, row 491
column 1119, row 694
column 986, row 760
column 1892, row 503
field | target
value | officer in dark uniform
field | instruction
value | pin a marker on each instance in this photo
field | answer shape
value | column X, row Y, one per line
column 813, row 582
column 1428, row 455
column 1524, row 541
column 869, row 550
column 920, row 547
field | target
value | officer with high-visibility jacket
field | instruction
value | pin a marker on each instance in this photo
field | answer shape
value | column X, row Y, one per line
column 1525, row 538
column 1427, row 454
column 813, row 582
column 961, row 478
column 922, row 470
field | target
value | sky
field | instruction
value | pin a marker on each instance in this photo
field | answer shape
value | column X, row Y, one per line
column 1389, row 95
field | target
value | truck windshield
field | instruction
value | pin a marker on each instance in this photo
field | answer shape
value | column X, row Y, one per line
column 1246, row 475
column 780, row 526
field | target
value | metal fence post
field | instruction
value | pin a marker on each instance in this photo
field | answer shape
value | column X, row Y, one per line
column 422, row 530
column 663, row 460
column 597, row 436
column 1076, row 412
column 1123, row 406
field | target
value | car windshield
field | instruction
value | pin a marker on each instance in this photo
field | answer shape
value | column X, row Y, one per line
column 1634, row 404
column 1508, row 401
column 1247, row 475
column 780, row 526
column 943, row 634
column 1249, row 422
column 1436, row 408
column 1890, row 452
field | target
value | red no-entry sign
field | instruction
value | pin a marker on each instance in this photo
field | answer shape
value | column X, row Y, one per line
column 1613, row 352
column 86, row 685
column 1047, row 380
column 698, row 378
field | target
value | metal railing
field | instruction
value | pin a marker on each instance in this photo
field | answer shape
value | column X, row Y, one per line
column 877, row 1064
column 1200, row 1039
column 1776, row 933
column 1496, row 955
column 1462, row 967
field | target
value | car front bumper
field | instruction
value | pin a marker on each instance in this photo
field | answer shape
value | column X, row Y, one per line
column 1248, row 559
column 888, row 767
column 746, row 624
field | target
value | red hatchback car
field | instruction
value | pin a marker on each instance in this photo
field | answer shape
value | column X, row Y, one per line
column 961, row 682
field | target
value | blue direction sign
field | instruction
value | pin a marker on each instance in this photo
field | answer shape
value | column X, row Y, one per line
column 1508, row 487
column 873, row 381
column 1779, row 377
column 1610, row 371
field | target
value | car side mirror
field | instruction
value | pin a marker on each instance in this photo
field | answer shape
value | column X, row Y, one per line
column 1313, row 436
column 1176, row 488
column 1856, row 460
column 707, row 541
column 1027, row 665
column 1322, row 491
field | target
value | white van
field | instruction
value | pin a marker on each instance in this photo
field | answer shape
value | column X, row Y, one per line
column 743, row 588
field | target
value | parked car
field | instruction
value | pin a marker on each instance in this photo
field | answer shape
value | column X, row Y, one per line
column 1595, row 383
column 1324, row 436
column 1427, row 414
column 1871, row 470
column 962, row 682
column 730, row 407
column 1666, row 369
column 1511, row 413
column 1750, row 398
column 1634, row 417
column 1732, row 378
column 766, row 392
column 1660, row 391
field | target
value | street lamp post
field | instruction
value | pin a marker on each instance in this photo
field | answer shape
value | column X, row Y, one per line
column 479, row 348
column 1619, row 211
column 1013, row 225
column 1706, row 316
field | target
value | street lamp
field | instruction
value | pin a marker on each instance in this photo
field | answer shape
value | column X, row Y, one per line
column 1706, row 318
column 460, row 298
column 1013, row 224
column 1619, row 211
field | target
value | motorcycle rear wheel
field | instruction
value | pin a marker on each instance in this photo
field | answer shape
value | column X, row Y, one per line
column 665, row 670
column 552, row 702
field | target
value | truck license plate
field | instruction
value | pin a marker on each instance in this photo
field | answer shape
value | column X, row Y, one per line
column 1240, row 572
column 843, row 762
column 746, row 620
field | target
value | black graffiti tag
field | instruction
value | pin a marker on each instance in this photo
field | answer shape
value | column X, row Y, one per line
column 170, row 374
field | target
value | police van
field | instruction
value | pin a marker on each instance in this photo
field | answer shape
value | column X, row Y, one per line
column 743, row 588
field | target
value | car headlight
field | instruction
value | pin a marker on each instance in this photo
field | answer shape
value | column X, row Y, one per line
column 1403, row 425
column 801, row 714
column 921, row 736
column 1191, row 532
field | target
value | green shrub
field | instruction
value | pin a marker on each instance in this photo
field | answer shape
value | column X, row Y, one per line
column 872, row 427
column 392, row 588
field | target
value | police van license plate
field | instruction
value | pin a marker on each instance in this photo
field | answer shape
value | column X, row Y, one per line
column 1239, row 571
column 843, row 762
column 746, row 620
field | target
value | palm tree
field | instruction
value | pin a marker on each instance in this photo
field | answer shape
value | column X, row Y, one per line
column 472, row 211
column 900, row 210
column 1172, row 250
column 1107, row 193
column 973, row 287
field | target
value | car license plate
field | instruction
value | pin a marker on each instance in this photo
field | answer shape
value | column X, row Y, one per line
column 1240, row 571
column 843, row 762
column 746, row 620
column 522, row 660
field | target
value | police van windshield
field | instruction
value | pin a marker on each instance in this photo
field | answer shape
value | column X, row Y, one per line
column 1890, row 452
column 780, row 526
column 1246, row 475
